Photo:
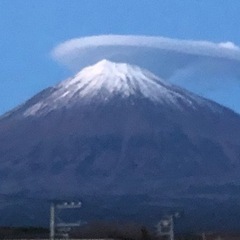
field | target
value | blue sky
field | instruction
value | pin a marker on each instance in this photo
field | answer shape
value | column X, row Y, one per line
column 30, row 29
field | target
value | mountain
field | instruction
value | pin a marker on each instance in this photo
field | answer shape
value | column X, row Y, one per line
column 116, row 131
column 102, row 83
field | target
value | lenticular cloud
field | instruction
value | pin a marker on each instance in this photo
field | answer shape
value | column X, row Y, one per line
column 209, row 69
column 79, row 52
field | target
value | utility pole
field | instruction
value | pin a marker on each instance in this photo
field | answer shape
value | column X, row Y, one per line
column 57, row 226
column 52, row 221
column 172, row 228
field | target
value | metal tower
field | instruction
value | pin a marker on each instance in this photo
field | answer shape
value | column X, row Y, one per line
column 57, row 226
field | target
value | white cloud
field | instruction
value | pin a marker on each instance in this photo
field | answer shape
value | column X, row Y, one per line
column 229, row 45
column 195, row 65
column 75, row 49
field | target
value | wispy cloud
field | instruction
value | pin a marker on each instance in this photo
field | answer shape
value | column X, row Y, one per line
column 204, row 67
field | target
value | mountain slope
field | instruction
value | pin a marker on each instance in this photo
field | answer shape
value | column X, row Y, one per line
column 117, row 129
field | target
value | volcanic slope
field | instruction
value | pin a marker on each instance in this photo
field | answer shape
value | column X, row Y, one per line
column 115, row 128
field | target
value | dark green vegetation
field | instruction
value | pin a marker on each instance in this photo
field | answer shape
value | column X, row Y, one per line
column 23, row 232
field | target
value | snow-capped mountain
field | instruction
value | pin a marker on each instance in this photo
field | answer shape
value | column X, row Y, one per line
column 107, row 80
column 116, row 129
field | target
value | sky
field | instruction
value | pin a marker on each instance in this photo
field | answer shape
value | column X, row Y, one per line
column 31, row 29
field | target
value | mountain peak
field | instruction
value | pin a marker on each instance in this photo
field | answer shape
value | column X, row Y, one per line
column 104, row 66
column 108, row 79
column 105, row 80
column 105, row 63
column 113, row 71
